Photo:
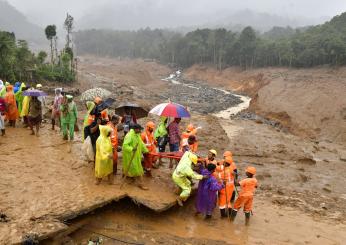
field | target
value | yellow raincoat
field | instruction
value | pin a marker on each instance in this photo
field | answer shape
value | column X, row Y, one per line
column 183, row 173
column 104, row 153
column 25, row 106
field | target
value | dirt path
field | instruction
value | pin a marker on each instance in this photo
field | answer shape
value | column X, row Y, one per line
column 44, row 181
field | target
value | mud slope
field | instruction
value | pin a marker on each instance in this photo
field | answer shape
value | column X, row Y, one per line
column 44, row 182
column 310, row 102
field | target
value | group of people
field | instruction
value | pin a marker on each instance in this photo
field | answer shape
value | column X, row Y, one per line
column 142, row 149
column 14, row 105
column 218, row 181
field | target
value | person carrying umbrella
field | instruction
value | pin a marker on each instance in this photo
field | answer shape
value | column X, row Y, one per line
column 150, row 143
column 133, row 148
column 35, row 115
column 68, row 116
column 161, row 134
column 12, row 111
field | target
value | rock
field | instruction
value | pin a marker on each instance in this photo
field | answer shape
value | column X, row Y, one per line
column 342, row 155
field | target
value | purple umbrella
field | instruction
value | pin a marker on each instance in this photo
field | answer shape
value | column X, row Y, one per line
column 34, row 93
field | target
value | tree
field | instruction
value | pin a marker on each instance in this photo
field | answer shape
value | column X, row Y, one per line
column 41, row 57
column 247, row 40
column 68, row 25
column 50, row 32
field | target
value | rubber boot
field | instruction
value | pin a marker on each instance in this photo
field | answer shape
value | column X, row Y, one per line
column 223, row 213
column 247, row 218
column 233, row 214
column 2, row 132
column 208, row 217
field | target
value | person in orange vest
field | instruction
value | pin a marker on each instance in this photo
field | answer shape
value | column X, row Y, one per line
column 104, row 113
column 211, row 158
column 113, row 124
column 219, row 168
column 189, row 144
column 245, row 198
column 150, row 143
column 227, row 175
column 190, row 131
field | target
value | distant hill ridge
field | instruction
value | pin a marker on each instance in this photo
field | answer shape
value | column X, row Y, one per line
column 12, row 20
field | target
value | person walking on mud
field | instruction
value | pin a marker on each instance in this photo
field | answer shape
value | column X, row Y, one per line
column 133, row 148
column 104, row 156
column 35, row 115
column 245, row 198
column 68, row 117
column 56, row 108
column 2, row 115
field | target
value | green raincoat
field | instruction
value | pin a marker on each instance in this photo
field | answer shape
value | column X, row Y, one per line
column 19, row 98
column 131, row 141
column 183, row 173
column 161, row 129
column 68, row 117
column 104, row 153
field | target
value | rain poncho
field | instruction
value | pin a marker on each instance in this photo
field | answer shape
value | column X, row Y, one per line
column 25, row 106
column 88, row 119
column 2, row 89
column 57, row 103
column 68, row 117
column 207, row 193
column 16, row 87
column 183, row 173
column 104, row 153
column 161, row 130
column 19, row 97
column 131, row 141
column 12, row 111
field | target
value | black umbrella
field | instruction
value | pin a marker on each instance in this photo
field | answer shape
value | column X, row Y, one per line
column 139, row 111
column 104, row 105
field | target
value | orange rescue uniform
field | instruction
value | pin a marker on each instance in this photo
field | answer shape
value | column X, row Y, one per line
column 226, row 174
column 150, row 143
column 245, row 198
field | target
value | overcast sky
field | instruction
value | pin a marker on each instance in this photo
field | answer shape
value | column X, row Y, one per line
column 54, row 11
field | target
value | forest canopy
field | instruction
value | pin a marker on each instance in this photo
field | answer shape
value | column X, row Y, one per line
column 304, row 47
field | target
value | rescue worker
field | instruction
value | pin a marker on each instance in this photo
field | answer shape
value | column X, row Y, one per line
column 113, row 124
column 190, row 130
column 189, row 144
column 227, row 176
column 211, row 158
column 104, row 113
column 220, row 167
column 88, row 118
column 161, row 134
column 245, row 198
column 133, row 148
column 150, row 143
column 183, row 173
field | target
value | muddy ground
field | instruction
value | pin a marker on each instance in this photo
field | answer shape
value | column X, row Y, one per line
column 301, row 199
